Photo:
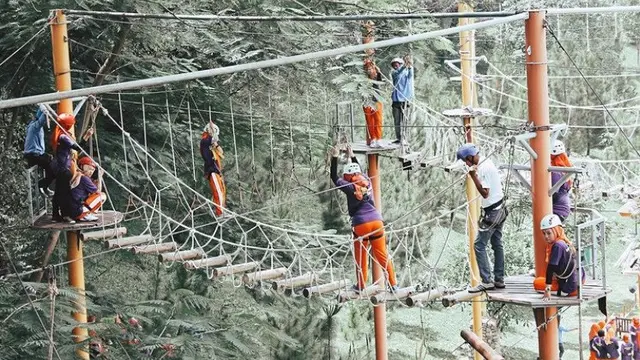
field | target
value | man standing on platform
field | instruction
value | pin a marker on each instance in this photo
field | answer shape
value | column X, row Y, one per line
column 487, row 180
column 402, row 95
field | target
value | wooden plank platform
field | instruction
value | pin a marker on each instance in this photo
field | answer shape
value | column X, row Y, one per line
column 105, row 219
column 467, row 112
column 519, row 291
column 361, row 147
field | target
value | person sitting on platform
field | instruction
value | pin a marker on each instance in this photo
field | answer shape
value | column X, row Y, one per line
column 486, row 179
column 212, row 155
column 626, row 349
column 366, row 220
column 562, row 264
column 63, row 166
column 561, row 199
column 402, row 95
column 373, row 106
column 85, row 198
column 34, row 150
column 88, row 168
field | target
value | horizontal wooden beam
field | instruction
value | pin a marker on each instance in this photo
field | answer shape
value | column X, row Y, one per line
column 254, row 277
column 181, row 255
column 128, row 241
column 325, row 288
column 103, row 234
column 208, row 262
column 397, row 295
column 366, row 292
column 154, row 248
column 455, row 298
column 233, row 269
column 427, row 296
column 294, row 282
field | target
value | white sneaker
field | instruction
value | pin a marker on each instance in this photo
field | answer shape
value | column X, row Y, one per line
column 89, row 217
column 374, row 144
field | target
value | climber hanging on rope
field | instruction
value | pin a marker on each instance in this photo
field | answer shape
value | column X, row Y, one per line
column 401, row 96
column 366, row 220
column 64, row 167
column 372, row 106
column 486, row 178
column 561, row 199
column 212, row 155
column 34, row 150
column 562, row 264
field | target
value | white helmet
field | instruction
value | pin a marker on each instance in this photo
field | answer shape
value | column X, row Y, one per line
column 398, row 60
column 212, row 129
column 550, row 221
column 351, row 168
column 557, row 148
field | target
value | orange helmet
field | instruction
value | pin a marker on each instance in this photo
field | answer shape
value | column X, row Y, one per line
column 86, row 160
column 66, row 120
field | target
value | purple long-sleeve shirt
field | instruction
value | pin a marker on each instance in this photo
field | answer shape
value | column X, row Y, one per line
column 62, row 159
column 561, row 200
column 210, row 165
column 80, row 193
column 361, row 211
column 612, row 349
column 626, row 351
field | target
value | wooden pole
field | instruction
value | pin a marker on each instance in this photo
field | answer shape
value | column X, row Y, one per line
column 538, row 108
column 62, row 75
column 467, row 49
column 482, row 348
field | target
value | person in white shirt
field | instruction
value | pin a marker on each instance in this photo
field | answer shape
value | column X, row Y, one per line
column 487, row 180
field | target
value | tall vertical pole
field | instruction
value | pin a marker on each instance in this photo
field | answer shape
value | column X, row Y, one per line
column 62, row 73
column 380, row 310
column 538, row 108
column 467, row 52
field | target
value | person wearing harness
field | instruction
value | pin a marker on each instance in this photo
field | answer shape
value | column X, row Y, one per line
column 402, row 94
column 34, row 148
column 486, row 179
column 562, row 264
column 212, row 155
column 372, row 106
column 561, row 199
column 366, row 220
column 64, row 167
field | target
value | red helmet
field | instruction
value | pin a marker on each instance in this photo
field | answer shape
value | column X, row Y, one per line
column 66, row 120
column 86, row 160
column 133, row 321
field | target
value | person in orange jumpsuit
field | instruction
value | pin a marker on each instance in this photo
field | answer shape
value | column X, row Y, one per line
column 373, row 106
column 366, row 220
column 212, row 155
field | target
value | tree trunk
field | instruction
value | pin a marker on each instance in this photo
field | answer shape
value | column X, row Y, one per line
column 53, row 241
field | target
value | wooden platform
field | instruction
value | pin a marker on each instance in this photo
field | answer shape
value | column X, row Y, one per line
column 361, row 147
column 105, row 219
column 519, row 291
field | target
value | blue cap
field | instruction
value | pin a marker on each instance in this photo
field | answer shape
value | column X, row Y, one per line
column 467, row 150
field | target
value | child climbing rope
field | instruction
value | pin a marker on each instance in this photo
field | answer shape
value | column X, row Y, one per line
column 373, row 106
column 561, row 199
column 562, row 265
column 486, row 178
column 34, row 150
column 212, row 155
column 402, row 94
column 366, row 220
column 64, row 167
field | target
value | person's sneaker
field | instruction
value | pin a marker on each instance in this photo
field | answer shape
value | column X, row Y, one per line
column 46, row 192
column 499, row 284
column 68, row 220
column 88, row 217
column 396, row 141
column 481, row 287
column 355, row 289
column 393, row 289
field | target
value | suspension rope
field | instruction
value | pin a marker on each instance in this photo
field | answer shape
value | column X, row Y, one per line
column 173, row 152
column 124, row 145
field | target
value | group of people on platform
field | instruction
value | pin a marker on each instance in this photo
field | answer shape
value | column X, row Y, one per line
column 603, row 343
column 77, row 194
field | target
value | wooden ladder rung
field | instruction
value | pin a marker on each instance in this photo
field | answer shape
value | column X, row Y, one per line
column 181, row 255
column 350, row 294
column 154, row 248
column 234, row 269
column 325, row 288
column 203, row 263
column 427, row 296
column 128, row 241
column 397, row 295
column 294, row 282
column 103, row 234
column 461, row 296
column 251, row 278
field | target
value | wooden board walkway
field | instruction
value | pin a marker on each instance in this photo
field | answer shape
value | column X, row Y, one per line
column 361, row 147
column 105, row 219
column 519, row 291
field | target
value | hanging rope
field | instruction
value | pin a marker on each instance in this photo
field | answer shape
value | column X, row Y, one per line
column 193, row 158
column 173, row 152
column 144, row 133
column 273, row 178
column 124, row 144
column 53, row 292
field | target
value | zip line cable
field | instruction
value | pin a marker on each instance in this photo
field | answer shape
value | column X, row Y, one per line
column 25, row 44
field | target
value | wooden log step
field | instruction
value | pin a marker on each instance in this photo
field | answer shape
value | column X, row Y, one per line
column 154, row 248
column 455, row 298
column 203, row 263
column 294, row 282
column 103, row 234
column 182, row 255
column 325, row 288
column 251, row 278
column 427, row 296
column 233, row 269
column 128, row 241
column 364, row 293
column 397, row 295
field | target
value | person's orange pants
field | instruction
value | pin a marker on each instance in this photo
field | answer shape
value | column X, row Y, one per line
column 92, row 204
column 374, row 121
column 219, row 191
column 539, row 285
column 372, row 232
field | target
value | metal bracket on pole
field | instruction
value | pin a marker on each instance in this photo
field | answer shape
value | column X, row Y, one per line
column 522, row 139
column 516, row 170
column 556, row 130
column 568, row 171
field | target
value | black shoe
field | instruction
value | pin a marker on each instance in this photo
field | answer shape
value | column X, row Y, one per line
column 397, row 141
column 481, row 287
column 356, row 289
column 499, row 284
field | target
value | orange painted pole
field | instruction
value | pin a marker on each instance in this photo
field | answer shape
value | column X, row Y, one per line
column 467, row 52
column 62, row 73
column 538, row 108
